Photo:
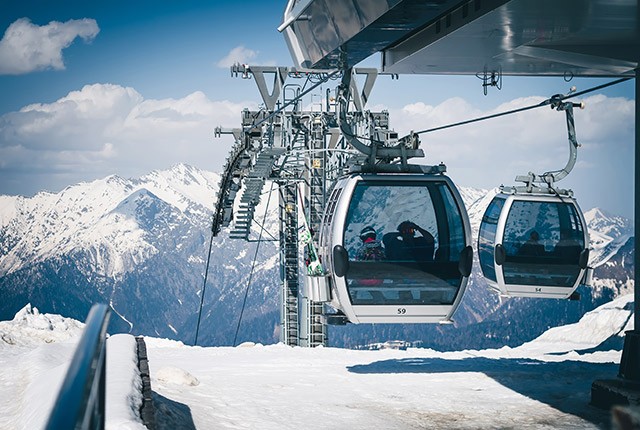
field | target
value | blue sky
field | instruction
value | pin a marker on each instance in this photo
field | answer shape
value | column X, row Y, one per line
column 160, row 48
column 128, row 87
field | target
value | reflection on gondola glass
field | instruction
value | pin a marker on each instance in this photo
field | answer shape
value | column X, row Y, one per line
column 421, row 229
column 384, row 207
column 533, row 245
column 487, row 237
column 542, row 242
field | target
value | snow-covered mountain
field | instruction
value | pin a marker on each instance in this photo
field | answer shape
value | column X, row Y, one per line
column 106, row 218
column 608, row 233
column 140, row 245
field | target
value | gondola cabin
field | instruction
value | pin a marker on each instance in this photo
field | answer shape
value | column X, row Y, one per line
column 533, row 245
column 397, row 247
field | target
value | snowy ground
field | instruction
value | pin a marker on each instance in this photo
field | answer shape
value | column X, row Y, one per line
column 276, row 387
column 543, row 384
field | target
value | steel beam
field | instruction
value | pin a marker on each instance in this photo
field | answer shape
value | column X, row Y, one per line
column 606, row 393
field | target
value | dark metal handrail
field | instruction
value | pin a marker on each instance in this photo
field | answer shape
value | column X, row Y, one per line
column 81, row 400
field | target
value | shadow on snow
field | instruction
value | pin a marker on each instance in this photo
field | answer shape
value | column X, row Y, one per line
column 565, row 386
column 170, row 414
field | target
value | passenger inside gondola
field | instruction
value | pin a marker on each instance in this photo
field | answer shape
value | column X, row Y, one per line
column 532, row 247
column 371, row 248
column 404, row 245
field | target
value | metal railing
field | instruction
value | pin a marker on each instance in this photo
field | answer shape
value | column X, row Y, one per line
column 81, row 400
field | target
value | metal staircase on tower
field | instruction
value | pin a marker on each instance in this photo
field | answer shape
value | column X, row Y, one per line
column 316, row 180
column 303, row 152
column 253, row 184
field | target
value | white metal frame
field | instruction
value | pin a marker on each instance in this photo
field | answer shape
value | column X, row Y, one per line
column 385, row 313
column 533, row 290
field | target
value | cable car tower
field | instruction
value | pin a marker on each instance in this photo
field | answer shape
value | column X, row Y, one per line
column 334, row 141
column 300, row 148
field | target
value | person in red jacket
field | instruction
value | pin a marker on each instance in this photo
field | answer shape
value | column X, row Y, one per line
column 371, row 248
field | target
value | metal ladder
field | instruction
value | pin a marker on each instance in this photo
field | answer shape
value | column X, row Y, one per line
column 316, row 195
column 289, row 263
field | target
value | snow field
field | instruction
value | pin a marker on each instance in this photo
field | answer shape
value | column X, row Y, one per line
column 543, row 384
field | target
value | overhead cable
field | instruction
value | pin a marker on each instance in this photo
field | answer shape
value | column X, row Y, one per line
column 522, row 109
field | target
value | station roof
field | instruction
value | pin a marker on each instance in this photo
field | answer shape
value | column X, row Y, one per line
column 513, row 37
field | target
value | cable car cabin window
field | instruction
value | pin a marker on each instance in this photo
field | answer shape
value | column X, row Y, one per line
column 543, row 242
column 333, row 200
column 328, row 216
column 487, row 237
column 404, row 241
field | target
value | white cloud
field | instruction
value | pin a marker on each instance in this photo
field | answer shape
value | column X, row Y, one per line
column 69, row 122
column 239, row 54
column 27, row 47
column 492, row 152
column 536, row 138
column 108, row 129
column 105, row 129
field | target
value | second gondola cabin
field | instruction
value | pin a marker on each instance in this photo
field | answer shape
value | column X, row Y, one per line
column 397, row 247
column 533, row 245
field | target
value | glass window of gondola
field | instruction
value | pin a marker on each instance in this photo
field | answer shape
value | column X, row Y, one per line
column 419, row 225
column 487, row 237
column 542, row 242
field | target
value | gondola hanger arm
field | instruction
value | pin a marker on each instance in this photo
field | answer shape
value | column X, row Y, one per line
column 374, row 149
column 551, row 177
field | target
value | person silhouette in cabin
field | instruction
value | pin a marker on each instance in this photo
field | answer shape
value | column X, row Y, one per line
column 532, row 247
column 404, row 245
column 370, row 250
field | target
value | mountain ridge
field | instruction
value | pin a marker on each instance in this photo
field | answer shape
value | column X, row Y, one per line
column 139, row 244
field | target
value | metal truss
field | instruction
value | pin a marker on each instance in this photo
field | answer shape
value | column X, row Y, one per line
column 298, row 144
